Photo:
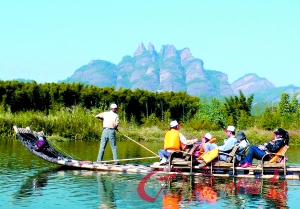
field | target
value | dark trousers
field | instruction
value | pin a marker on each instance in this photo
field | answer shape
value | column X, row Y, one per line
column 254, row 152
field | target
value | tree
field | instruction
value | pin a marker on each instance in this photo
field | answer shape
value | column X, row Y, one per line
column 234, row 106
column 284, row 105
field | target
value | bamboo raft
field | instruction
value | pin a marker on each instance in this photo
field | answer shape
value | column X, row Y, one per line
column 29, row 140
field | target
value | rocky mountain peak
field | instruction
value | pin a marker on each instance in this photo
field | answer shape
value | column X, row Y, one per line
column 251, row 83
column 186, row 56
column 141, row 48
column 168, row 51
column 151, row 48
column 173, row 70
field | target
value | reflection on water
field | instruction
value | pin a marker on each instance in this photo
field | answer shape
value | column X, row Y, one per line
column 210, row 192
column 106, row 192
column 33, row 184
column 29, row 182
column 95, row 189
column 59, row 188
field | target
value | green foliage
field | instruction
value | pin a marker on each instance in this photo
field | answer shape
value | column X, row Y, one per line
column 234, row 106
column 198, row 125
column 65, row 111
column 284, row 105
column 149, row 121
column 211, row 111
column 244, row 120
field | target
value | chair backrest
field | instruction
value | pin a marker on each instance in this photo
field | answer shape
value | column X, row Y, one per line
column 279, row 155
column 232, row 153
column 243, row 151
column 191, row 152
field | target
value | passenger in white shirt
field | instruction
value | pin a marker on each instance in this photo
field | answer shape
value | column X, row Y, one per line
column 228, row 143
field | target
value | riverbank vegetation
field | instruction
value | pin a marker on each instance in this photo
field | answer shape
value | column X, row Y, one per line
column 65, row 112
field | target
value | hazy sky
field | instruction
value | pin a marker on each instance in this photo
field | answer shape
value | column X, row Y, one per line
column 48, row 40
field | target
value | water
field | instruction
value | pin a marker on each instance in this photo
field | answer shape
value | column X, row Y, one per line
column 29, row 182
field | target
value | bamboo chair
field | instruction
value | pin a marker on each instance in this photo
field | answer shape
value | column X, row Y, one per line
column 275, row 161
column 244, row 153
column 183, row 158
column 230, row 160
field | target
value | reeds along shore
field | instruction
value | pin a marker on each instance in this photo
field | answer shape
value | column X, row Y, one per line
column 79, row 124
column 64, row 112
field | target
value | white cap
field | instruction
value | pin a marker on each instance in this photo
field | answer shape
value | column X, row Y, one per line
column 112, row 106
column 174, row 123
column 208, row 136
column 230, row 128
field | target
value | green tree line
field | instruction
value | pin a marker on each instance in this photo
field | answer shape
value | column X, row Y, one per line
column 64, row 107
column 139, row 104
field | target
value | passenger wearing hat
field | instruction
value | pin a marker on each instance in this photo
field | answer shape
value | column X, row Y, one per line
column 174, row 141
column 207, row 138
column 281, row 138
column 243, row 144
column 202, row 148
column 228, row 143
column 110, row 125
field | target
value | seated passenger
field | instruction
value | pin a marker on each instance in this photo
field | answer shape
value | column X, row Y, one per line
column 281, row 138
column 207, row 143
column 174, row 141
column 208, row 150
column 207, row 138
column 229, row 143
column 243, row 144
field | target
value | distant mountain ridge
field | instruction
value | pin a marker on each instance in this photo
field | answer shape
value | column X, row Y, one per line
column 263, row 90
column 173, row 70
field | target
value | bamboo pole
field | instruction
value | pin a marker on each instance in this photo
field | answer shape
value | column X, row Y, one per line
column 139, row 144
column 128, row 159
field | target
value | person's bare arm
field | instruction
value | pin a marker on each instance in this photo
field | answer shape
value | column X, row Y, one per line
column 99, row 116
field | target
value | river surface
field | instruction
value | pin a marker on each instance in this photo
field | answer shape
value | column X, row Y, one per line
column 30, row 182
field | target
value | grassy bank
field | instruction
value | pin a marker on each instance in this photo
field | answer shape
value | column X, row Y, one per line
column 79, row 124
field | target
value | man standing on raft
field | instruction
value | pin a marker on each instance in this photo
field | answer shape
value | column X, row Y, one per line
column 110, row 125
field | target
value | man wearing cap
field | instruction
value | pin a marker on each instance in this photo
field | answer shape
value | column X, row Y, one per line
column 174, row 141
column 228, row 143
column 110, row 125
